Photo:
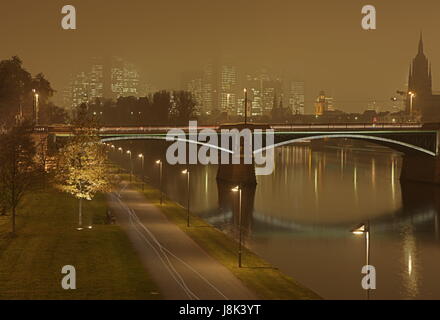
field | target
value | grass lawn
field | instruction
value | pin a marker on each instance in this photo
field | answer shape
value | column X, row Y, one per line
column 106, row 264
column 266, row 281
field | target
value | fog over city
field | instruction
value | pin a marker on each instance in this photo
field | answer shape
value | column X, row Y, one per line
column 319, row 42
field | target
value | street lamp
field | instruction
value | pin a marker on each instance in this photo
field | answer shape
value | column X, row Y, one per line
column 240, row 237
column 141, row 156
column 245, row 105
column 364, row 229
column 186, row 171
column 131, row 165
column 159, row 162
column 411, row 97
column 120, row 149
column 36, row 106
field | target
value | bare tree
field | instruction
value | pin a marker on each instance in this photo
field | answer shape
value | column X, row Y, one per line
column 18, row 170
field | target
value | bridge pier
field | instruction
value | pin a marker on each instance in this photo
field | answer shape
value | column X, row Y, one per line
column 238, row 174
column 242, row 173
column 420, row 168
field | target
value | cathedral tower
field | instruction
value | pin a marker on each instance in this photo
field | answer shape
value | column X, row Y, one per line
column 420, row 81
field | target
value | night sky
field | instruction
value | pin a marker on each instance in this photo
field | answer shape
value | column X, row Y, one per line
column 318, row 41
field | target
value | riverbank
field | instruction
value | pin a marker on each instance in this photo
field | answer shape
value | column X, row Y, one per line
column 106, row 264
column 259, row 276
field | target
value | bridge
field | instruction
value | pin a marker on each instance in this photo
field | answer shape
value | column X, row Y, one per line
column 419, row 143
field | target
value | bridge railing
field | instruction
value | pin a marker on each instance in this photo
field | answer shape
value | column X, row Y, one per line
column 355, row 126
column 283, row 126
column 149, row 129
column 275, row 126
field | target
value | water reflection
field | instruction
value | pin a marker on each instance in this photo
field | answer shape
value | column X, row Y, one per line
column 299, row 217
column 229, row 207
column 410, row 265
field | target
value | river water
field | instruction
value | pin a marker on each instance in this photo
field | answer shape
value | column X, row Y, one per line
column 299, row 218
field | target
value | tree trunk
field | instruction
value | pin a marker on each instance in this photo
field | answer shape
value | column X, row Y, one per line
column 80, row 213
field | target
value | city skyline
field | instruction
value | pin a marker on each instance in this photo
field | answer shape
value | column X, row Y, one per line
column 218, row 87
column 325, row 48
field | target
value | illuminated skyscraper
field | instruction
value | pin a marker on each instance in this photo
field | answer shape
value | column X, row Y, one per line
column 111, row 78
column 124, row 79
column 219, row 87
column 96, row 80
column 255, row 95
column 228, row 89
column 80, row 89
column 263, row 90
column 193, row 82
column 210, row 87
column 297, row 97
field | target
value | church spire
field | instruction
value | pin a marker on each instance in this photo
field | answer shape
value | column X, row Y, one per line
column 421, row 43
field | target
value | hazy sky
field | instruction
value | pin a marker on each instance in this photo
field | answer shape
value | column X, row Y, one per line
column 318, row 41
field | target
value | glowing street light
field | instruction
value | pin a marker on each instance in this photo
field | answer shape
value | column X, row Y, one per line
column 186, row 171
column 36, row 106
column 240, row 237
column 411, row 97
column 159, row 162
column 141, row 156
column 131, row 165
column 364, row 229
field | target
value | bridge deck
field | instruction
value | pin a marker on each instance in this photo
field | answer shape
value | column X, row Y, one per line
column 306, row 128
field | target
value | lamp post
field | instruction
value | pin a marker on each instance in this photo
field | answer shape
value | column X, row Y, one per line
column 364, row 229
column 245, row 105
column 159, row 162
column 411, row 97
column 186, row 171
column 240, row 237
column 36, row 106
column 131, row 165
column 141, row 156
column 121, row 150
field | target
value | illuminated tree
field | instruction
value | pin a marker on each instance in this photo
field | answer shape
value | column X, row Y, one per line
column 82, row 169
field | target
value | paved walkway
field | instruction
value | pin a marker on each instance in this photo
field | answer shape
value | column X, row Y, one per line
column 179, row 266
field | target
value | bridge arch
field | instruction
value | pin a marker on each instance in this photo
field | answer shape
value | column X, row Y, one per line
column 160, row 137
column 400, row 146
column 397, row 145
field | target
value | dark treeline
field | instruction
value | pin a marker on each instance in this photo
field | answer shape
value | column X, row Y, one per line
column 17, row 95
column 21, row 168
column 161, row 108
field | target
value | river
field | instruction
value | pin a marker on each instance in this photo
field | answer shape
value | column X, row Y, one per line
column 299, row 218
